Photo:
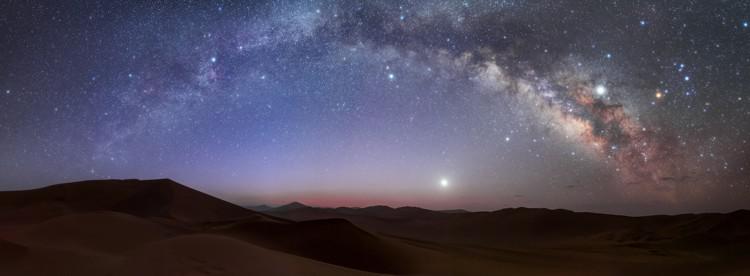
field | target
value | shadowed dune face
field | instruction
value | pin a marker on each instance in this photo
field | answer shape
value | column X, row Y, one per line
column 11, row 251
column 335, row 241
column 159, row 227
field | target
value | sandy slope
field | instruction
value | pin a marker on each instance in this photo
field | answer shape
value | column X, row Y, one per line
column 217, row 255
column 111, row 243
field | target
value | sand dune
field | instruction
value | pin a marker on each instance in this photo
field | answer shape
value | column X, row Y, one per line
column 153, row 227
column 159, row 227
column 149, row 198
column 571, row 242
column 528, row 225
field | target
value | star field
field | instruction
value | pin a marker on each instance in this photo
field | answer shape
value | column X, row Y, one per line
column 634, row 107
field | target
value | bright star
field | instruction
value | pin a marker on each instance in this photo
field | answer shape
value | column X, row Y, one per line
column 391, row 76
column 600, row 90
column 444, row 183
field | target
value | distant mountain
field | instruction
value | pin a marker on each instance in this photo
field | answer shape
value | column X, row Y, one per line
column 302, row 212
column 259, row 208
column 454, row 211
column 289, row 207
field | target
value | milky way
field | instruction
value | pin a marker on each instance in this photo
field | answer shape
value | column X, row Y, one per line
column 570, row 107
column 636, row 108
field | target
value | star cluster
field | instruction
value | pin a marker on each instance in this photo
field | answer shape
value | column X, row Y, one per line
column 633, row 107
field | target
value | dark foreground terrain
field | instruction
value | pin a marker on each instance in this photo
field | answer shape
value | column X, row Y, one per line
column 159, row 227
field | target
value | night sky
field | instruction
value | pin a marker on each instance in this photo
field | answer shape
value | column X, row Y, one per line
column 631, row 107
